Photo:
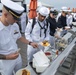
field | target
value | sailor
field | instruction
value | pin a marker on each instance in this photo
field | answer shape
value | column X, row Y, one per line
column 9, row 34
column 51, row 19
column 62, row 21
column 53, row 25
column 38, row 33
column 24, row 19
column 69, row 17
column 74, row 17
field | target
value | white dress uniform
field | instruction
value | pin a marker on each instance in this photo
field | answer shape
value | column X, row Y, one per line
column 69, row 19
column 8, row 37
column 37, row 35
column 23, row 22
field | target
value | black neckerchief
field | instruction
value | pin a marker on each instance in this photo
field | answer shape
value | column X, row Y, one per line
column 44, row 27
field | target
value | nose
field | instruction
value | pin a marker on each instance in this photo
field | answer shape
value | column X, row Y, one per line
column 43, row 18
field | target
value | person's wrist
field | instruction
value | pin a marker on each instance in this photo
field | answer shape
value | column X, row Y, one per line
column 2, row 56
column 30, row 43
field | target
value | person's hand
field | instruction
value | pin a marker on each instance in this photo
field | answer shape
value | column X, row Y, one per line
column 34, row 45
column 12, row 56
column 57, row 36
column 67, row 27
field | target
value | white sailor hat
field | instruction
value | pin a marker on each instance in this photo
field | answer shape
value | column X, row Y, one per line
column 13, row 8
column 65, row 9
column 44, row 11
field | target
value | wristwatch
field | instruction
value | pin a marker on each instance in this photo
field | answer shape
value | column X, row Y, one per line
column 30, row 43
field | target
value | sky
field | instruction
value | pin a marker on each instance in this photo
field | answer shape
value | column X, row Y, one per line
column 59, row 3
column 56, row 3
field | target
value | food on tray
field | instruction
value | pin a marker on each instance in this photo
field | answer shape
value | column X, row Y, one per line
column 57, row 52
column 62, row 44
column 47, row 53
column 45, row 43
column 25, row 72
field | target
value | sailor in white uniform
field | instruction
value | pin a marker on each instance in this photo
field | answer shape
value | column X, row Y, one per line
column 74, row 17
column 40, row 32
column 69, row 18
column 9, row 34
column 23, row 20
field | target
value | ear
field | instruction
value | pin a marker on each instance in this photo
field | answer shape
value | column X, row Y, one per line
column 38, row 14
column 5, row 14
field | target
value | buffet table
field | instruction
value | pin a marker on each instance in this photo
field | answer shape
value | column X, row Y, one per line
column 55, row 63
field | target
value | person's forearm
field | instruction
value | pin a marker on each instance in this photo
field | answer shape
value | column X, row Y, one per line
column 9, row 56
column 24, row 40
column 2, row 56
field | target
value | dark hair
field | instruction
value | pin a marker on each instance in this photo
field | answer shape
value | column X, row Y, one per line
column 54, row 12
column 25, row 7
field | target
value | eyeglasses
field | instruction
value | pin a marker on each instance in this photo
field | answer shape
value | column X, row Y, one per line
column 54, row 14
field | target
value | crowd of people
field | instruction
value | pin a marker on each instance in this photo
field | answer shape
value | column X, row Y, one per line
column 42, row 28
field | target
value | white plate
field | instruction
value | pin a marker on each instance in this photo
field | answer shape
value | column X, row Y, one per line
column 19, row 72
column 43, row 45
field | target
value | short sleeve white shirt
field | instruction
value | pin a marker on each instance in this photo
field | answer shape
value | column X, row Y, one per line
column 8, row 37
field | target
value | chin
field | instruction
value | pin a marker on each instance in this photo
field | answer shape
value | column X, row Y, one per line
column 41, row 20
column 12, row 23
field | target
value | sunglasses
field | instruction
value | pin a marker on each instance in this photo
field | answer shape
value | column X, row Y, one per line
column 54, row 14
